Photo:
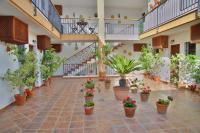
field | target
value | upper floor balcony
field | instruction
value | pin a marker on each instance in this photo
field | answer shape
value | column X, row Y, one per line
column 167, row 12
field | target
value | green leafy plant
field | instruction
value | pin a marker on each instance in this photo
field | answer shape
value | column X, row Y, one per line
column 122, row 65
column 165, row 101
column 90, row 84
column 50, row 63
column 89, row 95
column 105, row 50
column 146, row 59
column 89, row 104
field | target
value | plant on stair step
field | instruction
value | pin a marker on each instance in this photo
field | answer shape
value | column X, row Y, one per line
column 123, row 66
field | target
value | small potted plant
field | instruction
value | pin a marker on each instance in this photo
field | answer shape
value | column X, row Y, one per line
column 192, row 87
column 162, row 104
column 135, row 85
column 89, row 107
column 89, row 85
column 129, row 107
column 144, row 95
column 89, row 95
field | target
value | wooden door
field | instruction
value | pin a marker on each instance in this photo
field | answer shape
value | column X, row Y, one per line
column 175, row 49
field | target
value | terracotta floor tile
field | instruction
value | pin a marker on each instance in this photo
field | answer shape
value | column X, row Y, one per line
column 76, row 125
column 77, row 130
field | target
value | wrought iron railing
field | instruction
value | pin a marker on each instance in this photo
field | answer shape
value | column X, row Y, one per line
column 79, row 26
column 48, row 10
column 120, row 27
column 168, row 11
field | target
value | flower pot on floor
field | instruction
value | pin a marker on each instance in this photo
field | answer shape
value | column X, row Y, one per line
column 102, row 76
column 129, row 112
column 89, row 98
column 161, row 108
column 144, row 97
column 107, row 84
column 46, row 83
column 89, row 110
column 29, row 93
column 120, row 92
column 20, row 99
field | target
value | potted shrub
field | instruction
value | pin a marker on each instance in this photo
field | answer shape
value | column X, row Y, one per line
column 89, row 107
column 135, row 85
column 15, row 78
column 50, row 63
column 89, row 95
column 129, row 107
column 144, row 95
column 196, row 75
column 123, row 66
column 162, row 105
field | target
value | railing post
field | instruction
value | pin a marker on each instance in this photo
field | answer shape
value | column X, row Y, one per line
column 198, row 8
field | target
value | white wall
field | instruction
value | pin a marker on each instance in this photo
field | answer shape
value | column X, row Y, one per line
column 6, row 61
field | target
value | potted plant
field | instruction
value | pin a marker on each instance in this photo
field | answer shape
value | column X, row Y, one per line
column 144, row 95
column 135, row 85
column 89, row 85
column 192, row 87
column 129, row 107
column 107, row 83
column 123, row 66
column 162, row 104
column 147, row 59
column 15, row 78
column 89, row 107
column 50, row 63
column 89, row 95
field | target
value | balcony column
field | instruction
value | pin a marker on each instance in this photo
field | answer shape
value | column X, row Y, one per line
column 101, row 35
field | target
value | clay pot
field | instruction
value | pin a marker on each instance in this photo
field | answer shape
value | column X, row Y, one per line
column 162, row 109
column 129, row 112
column 156, row 78
column 144, row 97
column 102, row 76
column 29, row 93
column 120, row 92
column 89, row 110
column 46, row 83
column 107, row 84
column 90, row 90
column 89, row 98
column 20, row 99
column 50, row 80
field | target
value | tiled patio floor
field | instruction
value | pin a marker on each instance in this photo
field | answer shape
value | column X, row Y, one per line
column 59, row 108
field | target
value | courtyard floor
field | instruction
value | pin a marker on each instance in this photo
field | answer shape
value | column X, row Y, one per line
column 59, row 109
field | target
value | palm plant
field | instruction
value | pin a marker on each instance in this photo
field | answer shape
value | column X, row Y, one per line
column 123, row 66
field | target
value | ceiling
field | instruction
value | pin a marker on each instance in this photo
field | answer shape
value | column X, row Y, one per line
column 108, row 3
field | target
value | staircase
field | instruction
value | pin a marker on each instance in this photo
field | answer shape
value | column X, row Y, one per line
column 84, row 63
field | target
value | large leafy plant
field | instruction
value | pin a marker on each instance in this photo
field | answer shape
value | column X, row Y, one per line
column 50, row 63
column 147, row 59
column 122, row 65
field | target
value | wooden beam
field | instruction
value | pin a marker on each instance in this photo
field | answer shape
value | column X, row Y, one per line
column 79, row 37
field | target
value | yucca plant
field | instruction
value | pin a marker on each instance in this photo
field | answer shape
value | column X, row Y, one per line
column 123, row 66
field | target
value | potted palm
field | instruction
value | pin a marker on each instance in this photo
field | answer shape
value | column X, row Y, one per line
column 123, row 66
column 144, row 95
column 162, row 104
column 129, row 107
column 89, row 107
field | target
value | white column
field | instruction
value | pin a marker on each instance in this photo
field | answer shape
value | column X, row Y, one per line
column 100, row 10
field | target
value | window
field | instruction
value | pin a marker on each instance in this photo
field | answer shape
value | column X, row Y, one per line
column 190, row 48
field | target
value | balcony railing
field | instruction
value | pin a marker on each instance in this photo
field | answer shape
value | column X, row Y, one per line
column 121, row 29
column 79, row 26
column 48, row 10
column 168, row 11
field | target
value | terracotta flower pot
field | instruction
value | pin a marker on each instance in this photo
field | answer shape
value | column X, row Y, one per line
column 89, row 90
column 162, row 109
column 129, row 112
column 46, row 83
column 156, row 78
column 120, row 92
column 89, row 110
column 89, row 98
column 20, row 99
column 107, row 84
column 102, row 76
column 144, row 97
column 29, row 93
